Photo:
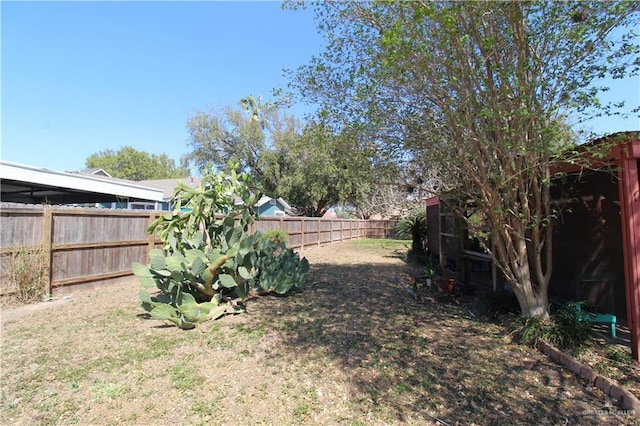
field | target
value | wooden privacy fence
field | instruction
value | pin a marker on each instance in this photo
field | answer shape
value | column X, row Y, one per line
column 85, row 245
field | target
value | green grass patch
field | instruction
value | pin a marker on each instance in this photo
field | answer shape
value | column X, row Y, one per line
column 302, row 412
column 235, row 335
column 205, row 408
column 185, row 377
column 155, row 347
column 106, row 390
column 385, row 243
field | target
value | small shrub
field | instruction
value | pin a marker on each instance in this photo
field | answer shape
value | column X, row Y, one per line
column 563, row 329
column 529, row 330
column 414, row 227
column 26, row 269
column 573, row 331
column 277, row 236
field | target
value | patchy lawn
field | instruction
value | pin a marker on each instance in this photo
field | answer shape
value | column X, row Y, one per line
column 352, row 349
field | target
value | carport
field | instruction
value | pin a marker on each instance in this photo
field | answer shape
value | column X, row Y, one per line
column 20, row 183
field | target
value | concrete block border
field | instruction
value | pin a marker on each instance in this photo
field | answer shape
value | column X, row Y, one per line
column 610, row 387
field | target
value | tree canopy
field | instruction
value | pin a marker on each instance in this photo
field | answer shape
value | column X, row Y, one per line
column 327, row 168
column 474, row 95
column 312, row 166
column 129, row 163
column 235, row 135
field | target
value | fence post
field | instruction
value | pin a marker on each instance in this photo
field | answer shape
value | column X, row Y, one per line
column 47, row 243
column 302, row 234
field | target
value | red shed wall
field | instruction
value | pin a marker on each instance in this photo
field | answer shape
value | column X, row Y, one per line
column 587, row 245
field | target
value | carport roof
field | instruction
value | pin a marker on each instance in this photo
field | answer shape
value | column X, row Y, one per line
column 21, row 183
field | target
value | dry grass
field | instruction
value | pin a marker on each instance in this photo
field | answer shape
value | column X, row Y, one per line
column 25, row 274
column 352, row 349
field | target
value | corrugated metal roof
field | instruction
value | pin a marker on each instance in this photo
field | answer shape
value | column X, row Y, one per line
column 31, row 184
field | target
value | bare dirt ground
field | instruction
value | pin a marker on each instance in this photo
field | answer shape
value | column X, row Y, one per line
column 352, row 349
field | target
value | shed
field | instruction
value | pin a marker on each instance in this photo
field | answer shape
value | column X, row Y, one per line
column 596, row 248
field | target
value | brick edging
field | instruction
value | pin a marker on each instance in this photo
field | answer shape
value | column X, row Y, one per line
column 608, row 386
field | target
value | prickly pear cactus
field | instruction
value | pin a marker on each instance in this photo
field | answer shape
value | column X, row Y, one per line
column 210, row 263
column 280, row 269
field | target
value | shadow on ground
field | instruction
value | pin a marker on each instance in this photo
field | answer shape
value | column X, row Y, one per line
column 425, row 362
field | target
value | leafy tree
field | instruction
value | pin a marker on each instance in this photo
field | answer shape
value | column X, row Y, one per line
column 129, row 163
column 254, row 136
column 313, row 167
column 327, row 168
column 480, row 90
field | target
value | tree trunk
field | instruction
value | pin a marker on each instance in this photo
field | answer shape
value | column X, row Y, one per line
column 533, row 302
column 512, row 257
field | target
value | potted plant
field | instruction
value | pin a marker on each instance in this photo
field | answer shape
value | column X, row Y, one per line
column 434, row 271
column 447, row 283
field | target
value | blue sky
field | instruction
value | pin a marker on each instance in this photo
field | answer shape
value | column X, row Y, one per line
column 82, row 77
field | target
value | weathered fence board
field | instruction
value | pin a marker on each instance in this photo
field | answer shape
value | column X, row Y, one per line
column 72, row 228
column 26, row 228
column 88, row 245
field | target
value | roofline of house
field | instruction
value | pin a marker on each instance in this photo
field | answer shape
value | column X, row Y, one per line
column 620, row 146
column 75, row 181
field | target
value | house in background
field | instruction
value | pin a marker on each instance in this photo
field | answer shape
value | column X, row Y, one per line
column 168, row 186
column 266, row 206
column 94, row 172
column 272, row 207
column 139, row 204
column 330, row 213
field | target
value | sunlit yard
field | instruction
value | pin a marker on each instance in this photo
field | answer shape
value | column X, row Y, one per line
column 351, row 349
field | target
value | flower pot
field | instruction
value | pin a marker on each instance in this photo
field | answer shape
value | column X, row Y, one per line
column 448, row 284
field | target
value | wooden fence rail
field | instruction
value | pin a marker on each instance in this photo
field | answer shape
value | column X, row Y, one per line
column 85, row 245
